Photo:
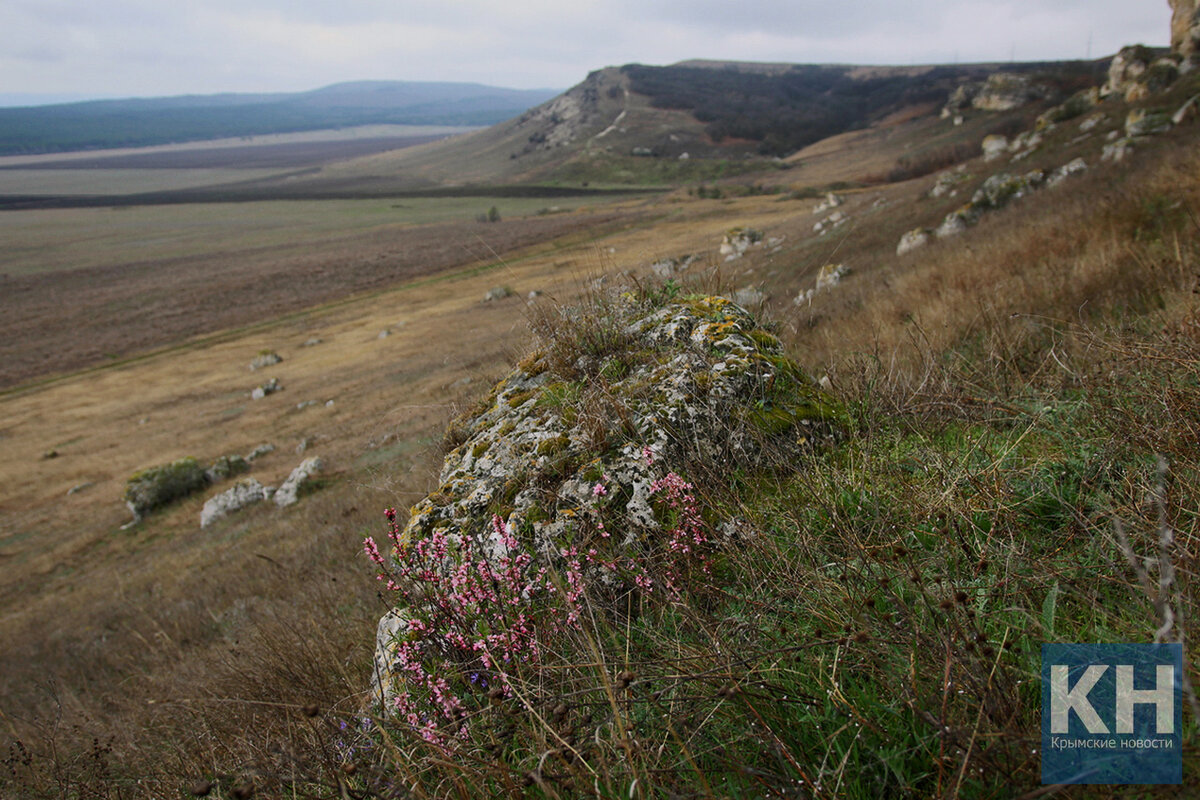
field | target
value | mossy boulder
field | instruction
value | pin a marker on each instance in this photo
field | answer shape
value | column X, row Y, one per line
column 159, row 486
column 226, row 467
column 704, row 390
column 701, row 383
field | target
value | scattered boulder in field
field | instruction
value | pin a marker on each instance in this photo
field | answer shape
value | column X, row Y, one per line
column 1188, row 111
column 270, row 387
column 831, row 200
column 244, row 493
column 960, row 99
column 266, row 358
column 226, row 467
column 1147, row 122
column 1117, row 150
column 1023, row 144
column 831, row 275
column 999, row 189
column 993, row 146
column 289, row 492
column 749, row 296
column 313, row 342
column 947, row 183
column 1076, row 105
column 834, row 220
column 737, row 241
column 158, row 486
column 260, row 451
column 666, row 267
column 958, row 221
column 1074, row 167
column 914, row 239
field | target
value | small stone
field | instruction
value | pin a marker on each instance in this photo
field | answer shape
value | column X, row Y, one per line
column 831, row 275
column 994, row 145
column 497, row 293
column 267, row 358
column 270, row 387
column 260, row 451
column 916, row 238
column 1074, row 167
column 226, row 467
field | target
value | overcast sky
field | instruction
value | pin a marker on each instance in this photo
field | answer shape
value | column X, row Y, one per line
column 128, row 48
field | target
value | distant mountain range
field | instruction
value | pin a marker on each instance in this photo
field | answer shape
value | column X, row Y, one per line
column 101, row 124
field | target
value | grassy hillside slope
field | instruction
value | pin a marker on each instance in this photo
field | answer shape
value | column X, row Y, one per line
column 1020, row 466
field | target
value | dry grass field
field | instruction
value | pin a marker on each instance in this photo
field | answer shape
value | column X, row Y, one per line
column 93, row 285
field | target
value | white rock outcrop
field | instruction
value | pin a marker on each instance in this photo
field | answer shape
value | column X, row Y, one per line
column 994, row 145
column 289, row 491
column 914, row 239
column 244, row 493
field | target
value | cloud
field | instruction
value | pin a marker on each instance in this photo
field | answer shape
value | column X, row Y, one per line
column 141, row 47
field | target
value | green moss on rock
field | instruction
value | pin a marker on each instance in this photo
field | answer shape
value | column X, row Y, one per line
column 159, row 486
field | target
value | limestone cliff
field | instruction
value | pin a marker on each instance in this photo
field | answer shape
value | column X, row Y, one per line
column 1185, row 27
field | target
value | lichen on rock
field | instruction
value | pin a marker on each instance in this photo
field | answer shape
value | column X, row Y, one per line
column 619, row 397
column 289, row 491
column 159, row 486
column 244, row 493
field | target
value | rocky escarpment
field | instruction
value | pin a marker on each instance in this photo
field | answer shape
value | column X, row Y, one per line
column 1000, row 91
column 617, row 399
column 570, row 116
column 1185, row 28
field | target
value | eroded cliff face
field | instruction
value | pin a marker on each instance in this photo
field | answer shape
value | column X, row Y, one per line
column 1185, row 27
